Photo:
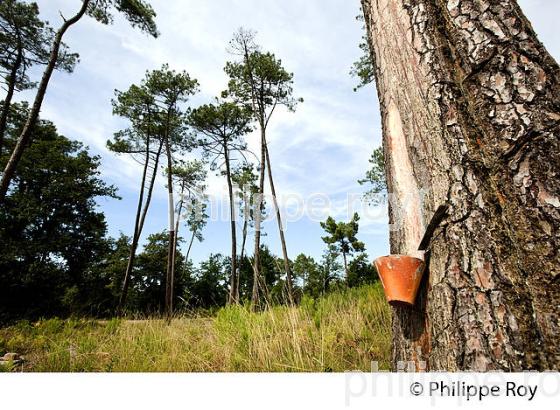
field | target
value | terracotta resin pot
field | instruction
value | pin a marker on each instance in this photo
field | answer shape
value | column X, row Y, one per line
column 400, row 276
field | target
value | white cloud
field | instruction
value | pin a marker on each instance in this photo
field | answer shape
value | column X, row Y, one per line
column 323, row 147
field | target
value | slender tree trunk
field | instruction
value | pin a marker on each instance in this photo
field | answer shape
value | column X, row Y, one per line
column 232, row 298
column 12, row 77
column 260, row 197
column 135, row 236
column 151, row 187
column 280, row 230
column 241, row 258
column 345, row 267
column 257, row 203
column 127, row 274
column 138, row 233
column 25, row 136
column 170, row 253
column 470, row 106
column 177, row 225
column 190, row 246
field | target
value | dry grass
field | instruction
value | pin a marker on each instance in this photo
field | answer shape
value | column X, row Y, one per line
column 343, row 331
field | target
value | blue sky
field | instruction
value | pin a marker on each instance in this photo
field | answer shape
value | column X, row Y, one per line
column 322, row 148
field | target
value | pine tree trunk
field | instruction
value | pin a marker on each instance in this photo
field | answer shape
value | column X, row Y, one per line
column 258, row 203
column 345, row 267
column 232, row 299
column 470, row 105
column 241, row 257
column 137, row 233
column 170, row 253
column 151, row 187
column 25, row 137
column 190, row 246
column 176, row 239
column 280, row 230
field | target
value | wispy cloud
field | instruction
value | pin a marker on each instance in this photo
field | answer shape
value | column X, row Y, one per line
column 323, row 147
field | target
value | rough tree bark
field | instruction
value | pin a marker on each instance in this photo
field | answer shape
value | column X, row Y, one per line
column 470, row 105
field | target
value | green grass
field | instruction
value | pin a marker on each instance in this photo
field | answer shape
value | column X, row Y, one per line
column 344, row 331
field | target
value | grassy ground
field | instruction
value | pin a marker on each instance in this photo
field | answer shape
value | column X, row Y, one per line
column 343, row 331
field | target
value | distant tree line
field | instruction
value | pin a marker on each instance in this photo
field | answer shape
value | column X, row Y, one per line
column 57, row 258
